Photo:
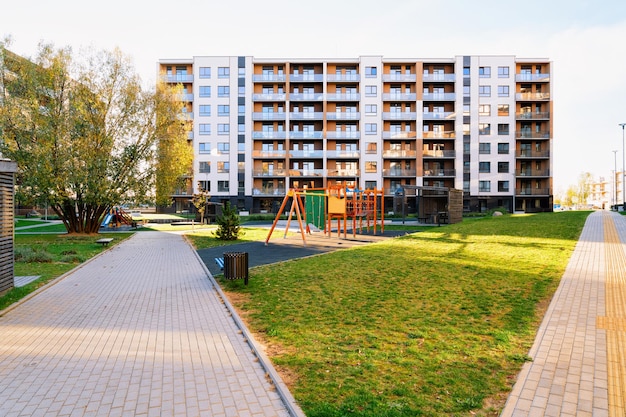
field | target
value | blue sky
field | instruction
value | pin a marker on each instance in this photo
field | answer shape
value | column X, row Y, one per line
column 584, row 39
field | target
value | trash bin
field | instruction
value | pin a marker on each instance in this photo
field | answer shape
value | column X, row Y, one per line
column 236, row 266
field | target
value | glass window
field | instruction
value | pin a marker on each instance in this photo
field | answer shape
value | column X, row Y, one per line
column 503, row 91
column 371, row 128
column 484, row 186
column 204, row 186
column 205, row 128
column 223, row 91
column 503, row 72
column 503, row 186
column 223, row 147
column 484, row 167
column 242, row 91
column 223, row 72
column 241, row 128
column 223, row 167
column 466, row 110
column 371, row 147
column 370, row 185
column 484, row 128
column 503, row 128
column 241, row 109
column 205, row 110
column 503, row 167
column 466, row 72
column 204, row 167
column 503, row 148
column 223, row 110
column 205, row 72
column 370, row 72
column 205, row 91
column 484, row 90
column 503, row 109
column 223, row 129
column 371, row 109
column 484, row 148
column 484, row 110
column 371, row 91
column 484, row 72
column 370, row 166
column 222, row 186
column 204, row 147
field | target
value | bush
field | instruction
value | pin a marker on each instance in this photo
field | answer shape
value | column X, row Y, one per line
column 29, row 254
column 228, row 225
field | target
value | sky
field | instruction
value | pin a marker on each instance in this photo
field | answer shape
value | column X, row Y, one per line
column 585, row 40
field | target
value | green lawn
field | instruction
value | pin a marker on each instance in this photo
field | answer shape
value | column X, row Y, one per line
column 435, row 323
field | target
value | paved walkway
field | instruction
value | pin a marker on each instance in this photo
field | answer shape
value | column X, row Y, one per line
column 579, row 354
column 140, row 330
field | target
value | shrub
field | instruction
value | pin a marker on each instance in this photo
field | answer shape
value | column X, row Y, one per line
column 228, row 225
column 29, row 254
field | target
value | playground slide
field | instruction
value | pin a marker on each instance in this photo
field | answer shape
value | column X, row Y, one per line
column 107, row 220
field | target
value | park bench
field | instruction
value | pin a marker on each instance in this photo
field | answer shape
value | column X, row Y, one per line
column 220, row 262
column 105, row 241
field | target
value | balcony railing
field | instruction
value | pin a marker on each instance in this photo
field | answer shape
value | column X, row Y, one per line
column 316, row 134
column 439, row 154
column 407, row 115
column 269, row 135
column 532, row 96
column 440, row 172
column 177, row 78
column 533, row 173
column 306, row 154
column 343, row 154
column 429, row 78
column 395, row 172
column 532, row 135
column 400, row 135
column 343, row 173
column 399, row 96
column 294, row 78
column 306, row 172
column 532, row 77
column 269, row 97
column 400, row 153
column 184, row 97
column 268, row 116
column 343, row 135
column 318, row 115
column 532, row 191
column 439, row 96
column 532, row 154
column 343, row 115
column 343, row 97
column 400, row 77
column 448, row 115
column 269, row 172
column 306, row 96
column 270, row 154
column 533, row 115
column 267, row 191
column 446, row 134
column 269, row 77
column 343, row 77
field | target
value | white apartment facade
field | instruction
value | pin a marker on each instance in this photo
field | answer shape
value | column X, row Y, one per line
column 481, row 124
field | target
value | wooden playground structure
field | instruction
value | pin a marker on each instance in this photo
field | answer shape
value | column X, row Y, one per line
column 318, row 207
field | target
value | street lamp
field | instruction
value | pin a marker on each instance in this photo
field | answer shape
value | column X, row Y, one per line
column 623, row 168
column 615, row 178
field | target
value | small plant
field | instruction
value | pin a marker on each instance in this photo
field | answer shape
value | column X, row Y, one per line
column 228, row 224
column 29, row 254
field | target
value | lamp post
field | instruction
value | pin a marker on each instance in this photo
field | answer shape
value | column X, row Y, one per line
column 615, row 178
column 623, row 168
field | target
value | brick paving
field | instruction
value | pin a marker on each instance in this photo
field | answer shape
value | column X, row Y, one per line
column 140, row 330
column 578, row 366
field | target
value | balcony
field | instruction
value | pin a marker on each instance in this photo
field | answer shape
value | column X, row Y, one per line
column 269, row 173
column 532, row 96
column 439, row 115
column 343, row 154
column 269, row 116
column 399, row 77
column 301, row 154
column 533, row 115
column 269, row 135
column 269, row 78
column 437, row 78
column 306, row 172
column 537, row 78
column 532, row 154
column 343, row 78
column 396, row 172
column 400, row 135
column 269, row 97
column 343, row 135
column 343, row 97
column 532, row 191
column 184, row 97
column 532, row 135
column 439, row 97
column 351, row 173
column 177, row 78
column 399, row 96
column 306, row 96
column 273, row 154
column 446, row 134
column 439, row 153
column 294, row 78
column 405, row 115
column 439, row 172
column 400, row 153
column 318, row 115
column 268, row 191
column 343, row 115
column 314, row 134
column 532, row 173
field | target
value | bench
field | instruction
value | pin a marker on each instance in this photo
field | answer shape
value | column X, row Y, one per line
column 220, row 262
column 105, row 241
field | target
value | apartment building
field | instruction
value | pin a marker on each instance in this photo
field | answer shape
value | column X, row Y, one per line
column 481, row 124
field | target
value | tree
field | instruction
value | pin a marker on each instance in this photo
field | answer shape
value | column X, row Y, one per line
column 85, row 134
column 200, row 201
column 228, row 226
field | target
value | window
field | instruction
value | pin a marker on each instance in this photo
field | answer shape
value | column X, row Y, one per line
column 503, row 91
column 484, row 167
column 223, row 167
column 204, row 167
column 503, row 148
column 484, row 148
column 370, row 128
column 503, row 186
column 205, row 128
column 466, row 110
column 370, row 166
column 223, row 72
column 503, row 128
column 241, row 128
column 241, row 109
column 205, row 110
column 204, row 147
column 484, row 72
column 370, row 72
column 370, row 91
column 204, row 186
column 205, row 72
column 223, row 147
column 484, row 128
column 503, row 109
column 466, row 91
column 241, row 91
column 371, row 109
column 241, row 147
column 484, row 110
column 484, row 186
column 503, row 72
column 371, row 147
column 223, row 91
column 466, row 128
column 484, row 90
column 503, row 167
column 223, row 129
column 223, row 110
column 370, row 185
column 205, row 91
column 222, row 186
column 466, row 72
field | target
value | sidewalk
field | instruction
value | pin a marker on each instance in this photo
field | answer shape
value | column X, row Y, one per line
column 140, row 330
column 579, row 366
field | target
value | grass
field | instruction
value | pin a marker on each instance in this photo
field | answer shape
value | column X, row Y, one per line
column 433, row 323
column 49, row 256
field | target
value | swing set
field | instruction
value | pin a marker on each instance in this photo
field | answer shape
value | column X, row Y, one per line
column 321, row 206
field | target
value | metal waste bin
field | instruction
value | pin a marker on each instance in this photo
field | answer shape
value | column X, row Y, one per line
column 236, row 265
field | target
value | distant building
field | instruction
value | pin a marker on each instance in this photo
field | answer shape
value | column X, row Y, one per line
column 481, row 124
